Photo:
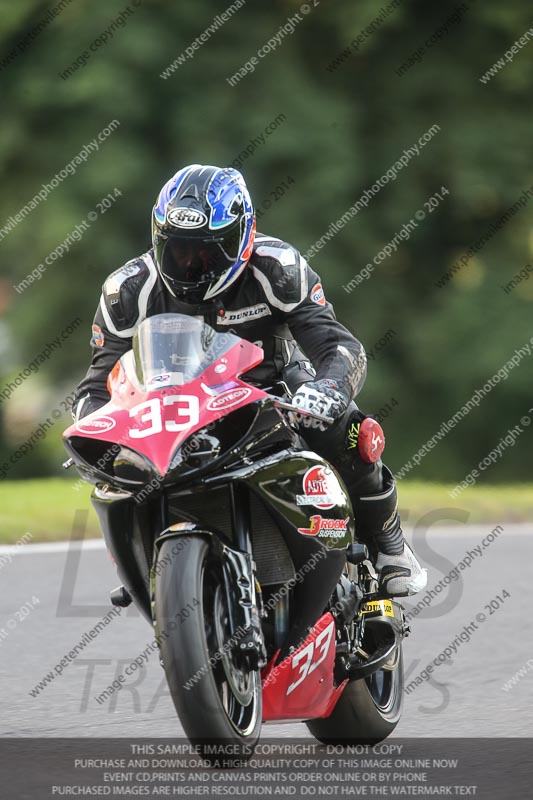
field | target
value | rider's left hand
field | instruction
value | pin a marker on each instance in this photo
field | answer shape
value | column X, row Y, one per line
column 320, row 397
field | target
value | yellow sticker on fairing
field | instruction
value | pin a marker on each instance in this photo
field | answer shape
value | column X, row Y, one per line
column 183, row 526
column 383, row 607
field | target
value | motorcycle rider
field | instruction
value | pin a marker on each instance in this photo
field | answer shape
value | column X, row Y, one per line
column 208, row 261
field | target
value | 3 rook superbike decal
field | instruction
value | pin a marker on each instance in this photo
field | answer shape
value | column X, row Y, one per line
column 336, row 528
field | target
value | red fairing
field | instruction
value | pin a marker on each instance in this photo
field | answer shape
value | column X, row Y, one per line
column 157, row 421
column 301, row 687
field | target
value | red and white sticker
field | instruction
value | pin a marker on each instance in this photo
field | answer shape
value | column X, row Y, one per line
column 317, row 295
column 96, row 425
column 321, row 489
column 322, row 526
column 97, row 337
column 158, row 381
column 229, row 399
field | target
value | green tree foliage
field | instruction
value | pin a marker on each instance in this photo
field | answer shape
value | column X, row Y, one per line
column 348, row 116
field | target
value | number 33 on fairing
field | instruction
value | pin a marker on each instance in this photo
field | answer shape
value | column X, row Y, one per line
column 321, row 646
column 153, row 417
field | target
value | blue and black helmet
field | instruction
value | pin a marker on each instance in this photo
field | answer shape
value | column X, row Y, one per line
column 203, row 229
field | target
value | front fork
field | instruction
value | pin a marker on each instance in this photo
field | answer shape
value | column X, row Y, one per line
column 244, row 599
column 243, row 596
column 243, row 593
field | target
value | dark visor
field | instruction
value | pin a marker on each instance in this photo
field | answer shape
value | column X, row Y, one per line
column 189, row 260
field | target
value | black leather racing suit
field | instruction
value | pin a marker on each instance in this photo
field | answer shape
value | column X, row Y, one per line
column 277, row 303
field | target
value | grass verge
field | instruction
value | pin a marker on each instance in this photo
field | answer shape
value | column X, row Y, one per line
column 46, row 508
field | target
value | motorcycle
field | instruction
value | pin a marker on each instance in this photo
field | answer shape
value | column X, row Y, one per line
column 238, row 545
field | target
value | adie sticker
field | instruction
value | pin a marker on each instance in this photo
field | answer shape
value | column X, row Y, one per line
column 320, row 526
column 186, row 218
column 96, row 425
column 321, row 489
column 317, row 295
column 229, row 399
column 97, row 337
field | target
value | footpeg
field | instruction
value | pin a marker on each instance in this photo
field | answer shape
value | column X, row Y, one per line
column 120, row 597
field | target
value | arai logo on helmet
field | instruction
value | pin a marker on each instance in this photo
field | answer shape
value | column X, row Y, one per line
column 96, row 425
column 186, row 218
column 229, row 399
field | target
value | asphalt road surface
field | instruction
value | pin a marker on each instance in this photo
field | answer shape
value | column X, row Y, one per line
column 52, row 595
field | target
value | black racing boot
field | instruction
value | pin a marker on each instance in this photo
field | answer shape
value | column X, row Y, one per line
column 377, row 519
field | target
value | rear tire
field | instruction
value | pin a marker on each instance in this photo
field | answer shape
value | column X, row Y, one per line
column 367, row 711
column 218, row 702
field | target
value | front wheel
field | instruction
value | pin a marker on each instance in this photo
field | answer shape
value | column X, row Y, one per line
column 368, row 709
column 217, row 698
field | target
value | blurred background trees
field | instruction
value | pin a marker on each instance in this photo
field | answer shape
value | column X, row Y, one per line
column 344, row 127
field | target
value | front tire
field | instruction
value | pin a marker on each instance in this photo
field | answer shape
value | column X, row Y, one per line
column 367, row 711
column 217, row 700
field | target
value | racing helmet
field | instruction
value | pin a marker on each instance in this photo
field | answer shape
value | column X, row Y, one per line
column 203, row 229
